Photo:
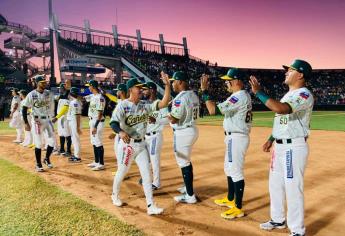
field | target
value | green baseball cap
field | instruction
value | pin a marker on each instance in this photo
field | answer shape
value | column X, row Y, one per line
column 151, row 85
column 62, row 85
column 74, row 91
column 134, row 83
column 39, row 79
column 14, row 90
column 121, row 87
column 23, row 92
column 92, row 83
column 233, row 74
column 179, row 75
column 300, row 66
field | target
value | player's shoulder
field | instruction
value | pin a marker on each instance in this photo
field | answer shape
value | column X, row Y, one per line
column 304, row 93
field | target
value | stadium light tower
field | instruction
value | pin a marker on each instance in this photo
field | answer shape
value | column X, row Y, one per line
column 51, row 39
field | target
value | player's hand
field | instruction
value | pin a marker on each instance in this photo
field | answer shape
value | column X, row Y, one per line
column 254, row 84
column 152, row 120
column 94, row 131
column 27, row 127
column 125, row 137
column 11, row 115
column 267, row 146
column 79, row 132
column 54, row 119
column 165, row 78
column 111, row 136
column 204, row 82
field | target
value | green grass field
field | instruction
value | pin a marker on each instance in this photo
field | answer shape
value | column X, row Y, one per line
column 321, row 120
column 31, row 206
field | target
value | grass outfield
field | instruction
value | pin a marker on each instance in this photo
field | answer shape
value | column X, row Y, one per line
column 321, row 120
column 31, row 206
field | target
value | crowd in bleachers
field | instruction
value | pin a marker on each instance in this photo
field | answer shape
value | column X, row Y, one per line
column 328, row 86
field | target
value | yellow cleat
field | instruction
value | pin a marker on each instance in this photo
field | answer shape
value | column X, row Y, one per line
column 232, row 213
column 31, row 146
column 225, row 202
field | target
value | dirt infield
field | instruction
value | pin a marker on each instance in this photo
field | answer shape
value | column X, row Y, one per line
column 324, row 185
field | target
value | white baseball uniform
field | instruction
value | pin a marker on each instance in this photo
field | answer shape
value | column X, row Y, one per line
column 133, row 120
column 237, row 110
column 42, row 105
column 185, row 108
column 289, row 159
column 97, row 104
column 62, row 126
column 74, row 109
column 154, row 141
column 15, row 122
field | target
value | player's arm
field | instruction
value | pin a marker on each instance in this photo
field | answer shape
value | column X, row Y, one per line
column 167, row 89
column 78, row 117
column 272, row 104
column 62, row 112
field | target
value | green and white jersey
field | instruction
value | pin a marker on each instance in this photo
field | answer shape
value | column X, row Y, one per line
column 62, row 102
column 237, row 111
column 97, row 103
column 15, row 100
column 161, row 117
column 74, row 109
column 133, row 117
column 296, row 124
column 41, row 104
column 185, row 108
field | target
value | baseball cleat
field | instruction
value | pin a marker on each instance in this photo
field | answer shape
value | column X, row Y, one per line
column 66, row 154
column 182, row 189
column 116, row 200
column 74, row 159
column 154, row 210
column 17, row 141
column 93, row 164
column 98, row 167
column 269, row 225
column 140, row 181
column 232, row 213
column 154, row 187
column 225, row 202
column 47, row 162
column 296, row 234
column 31, row 146
column 185, row 198
column 39, row 169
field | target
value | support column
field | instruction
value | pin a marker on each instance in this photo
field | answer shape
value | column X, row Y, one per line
column 185, row 47
column 140, row 42
column 161, row 41
column 115, row 35
column 87, row 31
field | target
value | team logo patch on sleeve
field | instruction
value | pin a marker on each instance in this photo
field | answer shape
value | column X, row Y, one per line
column 233, row 100
column 75, row 105
column 126, row 109
column 304, row 95
column 101, row 99
column 177, row 103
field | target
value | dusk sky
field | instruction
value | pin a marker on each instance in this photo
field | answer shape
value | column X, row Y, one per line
column 243, row 33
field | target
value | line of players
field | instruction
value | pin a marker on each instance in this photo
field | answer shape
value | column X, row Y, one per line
column 138, row 124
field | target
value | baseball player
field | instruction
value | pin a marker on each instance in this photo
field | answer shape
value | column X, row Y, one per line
column 96, row 124
column 28, row 134
column 129, row 121
column 237, row 111
column 154, row 134
column 15, row 121
column 41, row 102
column 183, row 116
column 121, row 94
column 290, row 154
column 63, row 128
column 74, row 123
